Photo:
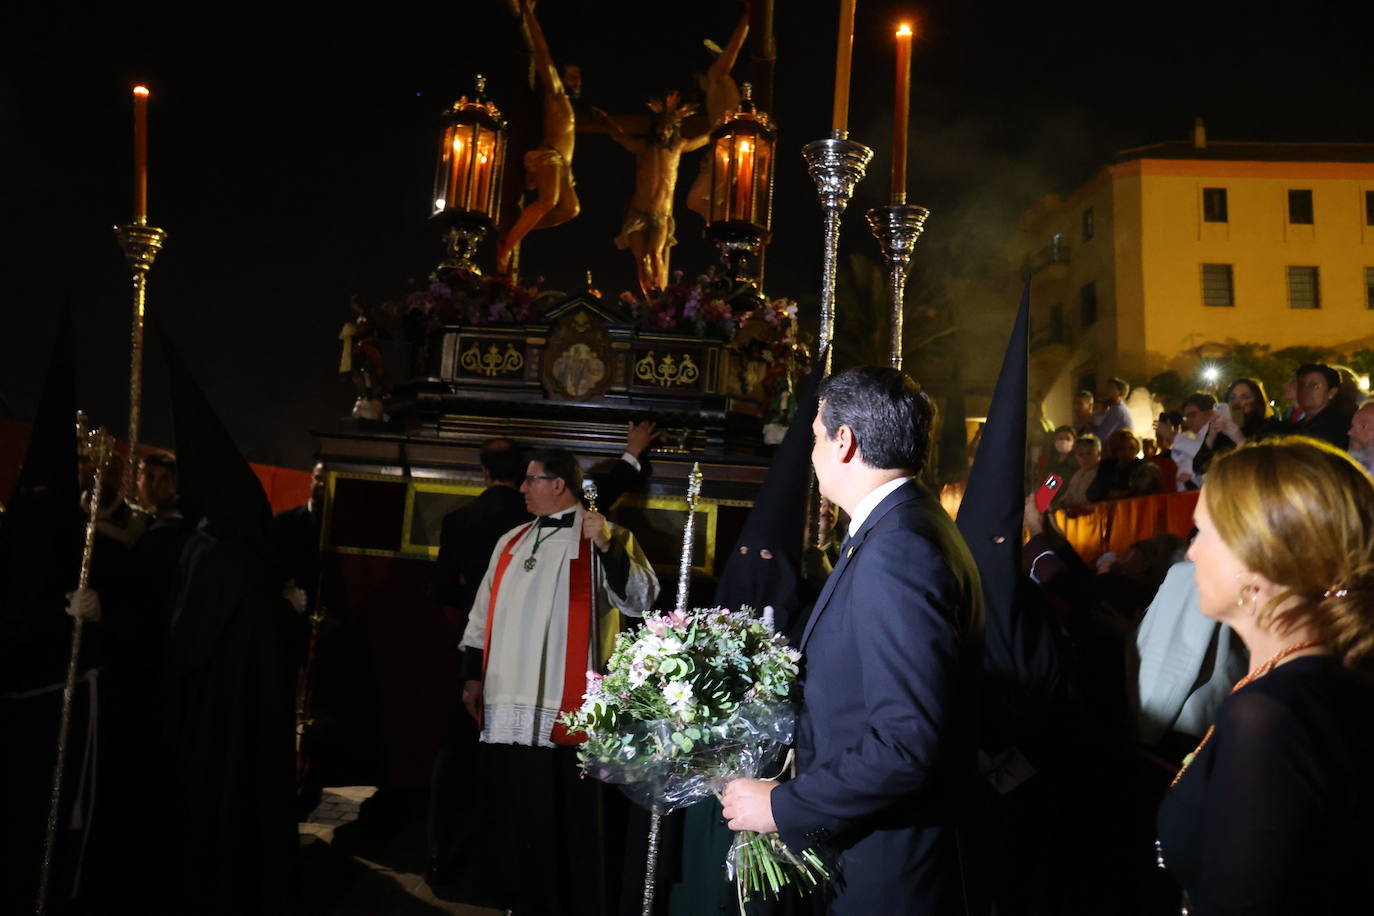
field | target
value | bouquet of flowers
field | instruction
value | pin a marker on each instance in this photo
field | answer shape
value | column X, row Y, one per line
column 689, row 702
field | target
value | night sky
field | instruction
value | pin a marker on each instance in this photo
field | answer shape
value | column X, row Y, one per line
column 292, row 160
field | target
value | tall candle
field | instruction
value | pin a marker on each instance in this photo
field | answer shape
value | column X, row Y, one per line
column 901, row 109
column 844, row 51
column 458, row 172
column 744, row 182
column 141, row 154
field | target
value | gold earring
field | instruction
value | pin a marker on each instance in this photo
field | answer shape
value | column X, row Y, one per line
column 1247, row 593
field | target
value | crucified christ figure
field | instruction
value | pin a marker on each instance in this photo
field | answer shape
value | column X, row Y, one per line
column 648, row 229
column 548, row 168
column 722, row 97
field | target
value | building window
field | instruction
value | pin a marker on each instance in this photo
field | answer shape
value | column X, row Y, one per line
column 1369, row 286
column 1216, row 285
column 1087, row 304
column 1087, row 224
column 1214, row 205
column 1300, row 207
column 1303, row 289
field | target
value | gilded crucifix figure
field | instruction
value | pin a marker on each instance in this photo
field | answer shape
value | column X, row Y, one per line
column 548, row 167
column 649, row 225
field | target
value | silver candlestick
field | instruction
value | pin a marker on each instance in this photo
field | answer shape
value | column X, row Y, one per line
column 897, row 227
column 836, row 165
column 140, row 243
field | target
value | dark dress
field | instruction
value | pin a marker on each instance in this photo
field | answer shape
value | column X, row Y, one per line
column 1273, row 815
column 1330, row 425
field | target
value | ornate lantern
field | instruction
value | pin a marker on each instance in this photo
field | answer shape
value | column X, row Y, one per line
column 741, row 206
column 467, row 179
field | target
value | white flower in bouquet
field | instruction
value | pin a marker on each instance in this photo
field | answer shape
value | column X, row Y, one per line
column 679, row 697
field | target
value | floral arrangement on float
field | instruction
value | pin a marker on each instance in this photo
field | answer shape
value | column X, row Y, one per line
column 466, row 297
column 710, row 305
column 690, row 701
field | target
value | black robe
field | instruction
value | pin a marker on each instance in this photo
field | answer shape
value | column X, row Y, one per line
column 234, row 649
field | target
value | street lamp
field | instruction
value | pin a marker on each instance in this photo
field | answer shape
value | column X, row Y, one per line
column 467, row 178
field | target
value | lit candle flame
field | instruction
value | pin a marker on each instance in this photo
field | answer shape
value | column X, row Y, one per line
column 141, row 90
column 744, row 146
column 903, row 29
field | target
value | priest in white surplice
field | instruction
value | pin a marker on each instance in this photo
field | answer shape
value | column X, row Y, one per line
column 546, row 612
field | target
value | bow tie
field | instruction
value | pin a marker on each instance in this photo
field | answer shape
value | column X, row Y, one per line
column 565, row 521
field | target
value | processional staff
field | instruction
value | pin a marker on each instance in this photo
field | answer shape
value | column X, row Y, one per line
column 684, row 572
column 589, row 492
column 99, row 446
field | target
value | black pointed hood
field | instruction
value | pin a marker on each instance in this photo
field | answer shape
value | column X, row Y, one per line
column 40, row 545
column 50, row 462
column 776, row 521
column 214, row 481
column 996, row 492
column 990, row 516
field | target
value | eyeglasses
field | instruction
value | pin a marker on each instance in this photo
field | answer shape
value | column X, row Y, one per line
column 531, row 478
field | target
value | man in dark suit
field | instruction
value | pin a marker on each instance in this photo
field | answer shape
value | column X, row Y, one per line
column 892, row 651
column 470, row 532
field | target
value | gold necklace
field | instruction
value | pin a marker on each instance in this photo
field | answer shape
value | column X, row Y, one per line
column 1258, row 672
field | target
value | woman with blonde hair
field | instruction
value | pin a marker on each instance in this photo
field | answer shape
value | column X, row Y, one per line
column 1272, row 812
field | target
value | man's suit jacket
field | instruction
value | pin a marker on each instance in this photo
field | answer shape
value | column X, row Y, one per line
column 886, row 739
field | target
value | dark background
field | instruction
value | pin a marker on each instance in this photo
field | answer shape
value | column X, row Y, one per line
column 291, row 158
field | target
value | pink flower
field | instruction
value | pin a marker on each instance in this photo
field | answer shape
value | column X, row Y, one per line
column 679, row 620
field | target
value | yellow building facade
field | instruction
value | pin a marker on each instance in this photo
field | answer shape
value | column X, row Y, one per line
column 1180, row 246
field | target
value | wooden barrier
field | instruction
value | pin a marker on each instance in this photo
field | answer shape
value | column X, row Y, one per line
column 1116, row 524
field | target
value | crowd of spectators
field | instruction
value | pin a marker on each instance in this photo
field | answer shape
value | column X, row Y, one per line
column 1099, row 456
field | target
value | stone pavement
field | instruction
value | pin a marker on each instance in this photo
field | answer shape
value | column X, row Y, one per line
column 355, row 862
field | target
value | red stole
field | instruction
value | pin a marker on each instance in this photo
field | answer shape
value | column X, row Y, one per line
column 579, row 629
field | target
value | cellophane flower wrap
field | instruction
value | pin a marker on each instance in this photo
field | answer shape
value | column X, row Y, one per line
column 689, row 702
